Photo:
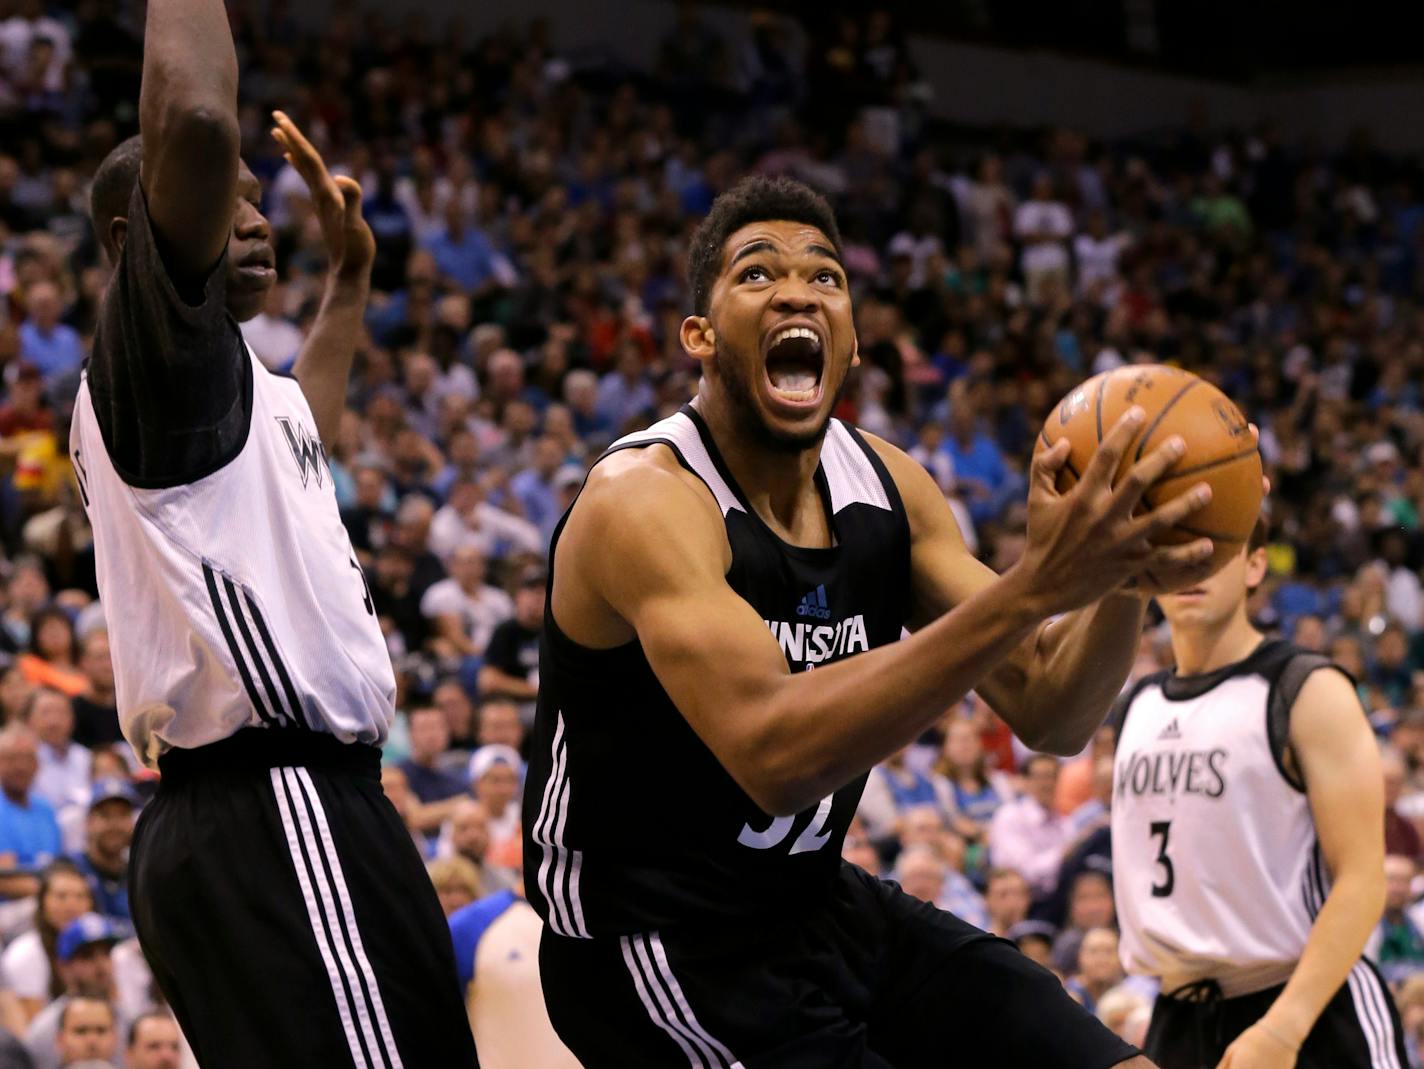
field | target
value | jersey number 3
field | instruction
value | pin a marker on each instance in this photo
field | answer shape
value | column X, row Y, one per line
column 813, row 838
column 1163, row 888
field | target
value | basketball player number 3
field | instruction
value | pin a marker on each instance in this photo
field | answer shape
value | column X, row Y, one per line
column 1169, row 874
column 813, row 838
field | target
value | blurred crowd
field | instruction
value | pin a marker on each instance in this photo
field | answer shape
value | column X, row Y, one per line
column 532, row 210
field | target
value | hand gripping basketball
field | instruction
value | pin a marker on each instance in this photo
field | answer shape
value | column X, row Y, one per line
column 1092, row 539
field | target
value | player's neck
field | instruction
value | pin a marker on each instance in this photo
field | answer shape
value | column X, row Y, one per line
column 777, row 483
column 1205, row 649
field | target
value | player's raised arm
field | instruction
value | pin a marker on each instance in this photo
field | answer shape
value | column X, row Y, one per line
column 646, row 543
column 188, row 120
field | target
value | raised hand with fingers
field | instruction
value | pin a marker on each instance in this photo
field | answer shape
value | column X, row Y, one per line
column 350, row 245
column 1091, row 540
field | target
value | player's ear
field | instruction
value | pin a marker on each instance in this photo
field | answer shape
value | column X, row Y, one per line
column 1256, row 567
column 118, row 234
column 855, row 352
column 698, row 338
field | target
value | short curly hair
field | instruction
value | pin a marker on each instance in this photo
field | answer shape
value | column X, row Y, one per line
column 752, row 200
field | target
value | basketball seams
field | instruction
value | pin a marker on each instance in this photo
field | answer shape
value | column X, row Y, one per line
column 1197, row 469
column 1048, row 444
column 1098, row 405
column 1215, row 536
column 1161, row 415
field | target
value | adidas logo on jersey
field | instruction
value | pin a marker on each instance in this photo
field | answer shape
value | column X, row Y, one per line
column 1171, row 731
column 307, row 450
column 814, row 604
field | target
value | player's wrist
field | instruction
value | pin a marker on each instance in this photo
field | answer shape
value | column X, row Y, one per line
column 1286, row 1027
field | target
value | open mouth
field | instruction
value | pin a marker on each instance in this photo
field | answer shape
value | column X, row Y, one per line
column 259, row 265
column 794, row 362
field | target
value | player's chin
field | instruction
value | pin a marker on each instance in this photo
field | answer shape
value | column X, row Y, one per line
column 246, row 298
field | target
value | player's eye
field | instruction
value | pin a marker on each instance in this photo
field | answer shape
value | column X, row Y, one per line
column 828, row 277
column 754, row 273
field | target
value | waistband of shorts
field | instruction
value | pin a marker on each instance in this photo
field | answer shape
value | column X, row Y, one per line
column 258, row 749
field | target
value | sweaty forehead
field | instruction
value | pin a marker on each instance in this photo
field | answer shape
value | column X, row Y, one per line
column 783, row 235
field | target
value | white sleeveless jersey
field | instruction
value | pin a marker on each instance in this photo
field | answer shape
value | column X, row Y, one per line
column 236, row 600
column 1217, row 871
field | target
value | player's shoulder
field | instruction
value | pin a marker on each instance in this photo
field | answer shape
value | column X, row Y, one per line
column 924, row 501
column 647, row 484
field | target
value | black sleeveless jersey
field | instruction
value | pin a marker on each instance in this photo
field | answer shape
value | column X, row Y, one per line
column 630, row 823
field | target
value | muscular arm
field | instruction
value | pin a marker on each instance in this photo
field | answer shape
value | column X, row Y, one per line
column 1338, row 758
column 188, row 119
column 1054, row 688
column 645, row 553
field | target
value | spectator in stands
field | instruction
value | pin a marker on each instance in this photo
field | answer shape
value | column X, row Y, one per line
column 468, row 520
column 96, row 714
column 893, row 787
column 1098, row 968
column 456, row 880
column 154, row 1042
column 108, row 834
column 53, row 655
column 63, row 763
column 511, row 660
column 501, row 724
column 1401, row 838
column 25, row 410
column 858, row 849
column 85, row 970
column 495, row 775
column 1025, row 833
column 1043, row 225
column 49, row 344
column 981, row 473
column 451, row 698
column 29, row 833
column 1090, row 905
column 29, row 963
column 976, row 796
column 469, row 838
column 497, row 963
column 87, row 1033
column 1006, row 899
column 429, row 739
column 464, row 610
column 1397, row 945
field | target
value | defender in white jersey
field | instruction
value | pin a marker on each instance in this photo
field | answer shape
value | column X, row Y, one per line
column 1247, row 830
column 276, row 893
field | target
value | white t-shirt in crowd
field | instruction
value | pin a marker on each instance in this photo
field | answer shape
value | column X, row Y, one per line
column 1097, row 258
column 26, row 968
column 1040, row 217
column 479, row 613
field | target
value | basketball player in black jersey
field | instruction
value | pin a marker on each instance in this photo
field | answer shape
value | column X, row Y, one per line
column 691, row 777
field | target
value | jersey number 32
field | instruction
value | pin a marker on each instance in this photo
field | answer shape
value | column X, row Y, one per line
column 813, row 837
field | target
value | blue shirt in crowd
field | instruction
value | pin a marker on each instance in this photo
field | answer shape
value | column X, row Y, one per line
column 56, row 352
column 29, row 831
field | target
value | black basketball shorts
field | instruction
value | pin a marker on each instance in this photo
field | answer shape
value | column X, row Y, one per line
column 1359, row 1029
column 868, row 979
column 287, row 915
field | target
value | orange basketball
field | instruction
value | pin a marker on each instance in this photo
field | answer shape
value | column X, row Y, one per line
column 1219, row 447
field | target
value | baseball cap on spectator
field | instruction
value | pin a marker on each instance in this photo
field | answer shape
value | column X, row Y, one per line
column 89, row 929
column 112, row 787
column 486, row 757
column 1032, row 930
column 567, row 476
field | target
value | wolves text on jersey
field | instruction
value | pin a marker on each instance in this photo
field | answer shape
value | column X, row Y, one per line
column 307, row 449
column 1173, row 772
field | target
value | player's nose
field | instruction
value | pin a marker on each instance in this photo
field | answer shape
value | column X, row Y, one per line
column 795, row 294
column 251, row 224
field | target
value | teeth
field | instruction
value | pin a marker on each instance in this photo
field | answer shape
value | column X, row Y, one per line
column 797, row 332
column 793, row 381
